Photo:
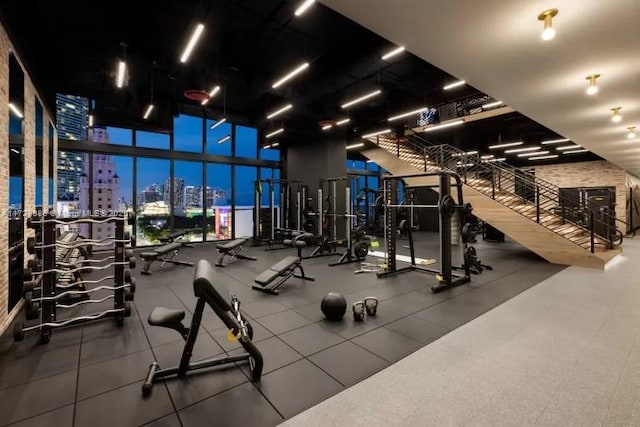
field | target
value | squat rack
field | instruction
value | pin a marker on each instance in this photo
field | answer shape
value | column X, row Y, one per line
column 447, row 207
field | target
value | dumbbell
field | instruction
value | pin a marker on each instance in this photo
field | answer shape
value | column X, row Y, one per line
column 34, row 264
column 31, row 244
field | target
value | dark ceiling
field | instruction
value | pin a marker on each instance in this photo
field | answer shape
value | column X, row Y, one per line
column 245, row 47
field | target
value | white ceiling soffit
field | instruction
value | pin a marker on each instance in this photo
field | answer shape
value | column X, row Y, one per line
column 495, row 45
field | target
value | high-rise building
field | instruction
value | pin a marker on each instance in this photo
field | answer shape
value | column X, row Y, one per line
column 192, row 196
column 106, row 185
column 72, row 116
column 178, row 195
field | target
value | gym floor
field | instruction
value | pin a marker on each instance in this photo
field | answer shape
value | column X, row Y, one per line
column 92, row 375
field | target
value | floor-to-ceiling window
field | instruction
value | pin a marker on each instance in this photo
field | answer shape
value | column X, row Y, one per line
column 153, row 204
column 188, row 199
column 246, row 177
column 198, row 176
column 218, row 202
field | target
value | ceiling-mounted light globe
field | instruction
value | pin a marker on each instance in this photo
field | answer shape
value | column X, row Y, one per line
column 548, row 33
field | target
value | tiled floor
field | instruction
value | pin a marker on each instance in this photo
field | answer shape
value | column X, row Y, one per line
column 92, row 376
column 563, row 353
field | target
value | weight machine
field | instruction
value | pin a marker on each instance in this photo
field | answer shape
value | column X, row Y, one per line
column 275, row 224
column 52, row 295
column 447, row 207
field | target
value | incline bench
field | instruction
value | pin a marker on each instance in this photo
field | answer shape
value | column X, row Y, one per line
column 233, row 249
column 157, row 255
column 269, row 280
column 175, row 237
column 227, row 308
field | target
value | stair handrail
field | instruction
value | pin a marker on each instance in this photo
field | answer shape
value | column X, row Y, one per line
column 506, row 167
column 549, row 190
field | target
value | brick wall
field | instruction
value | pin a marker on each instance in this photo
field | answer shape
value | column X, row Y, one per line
column 30, row 168
column 589, row 174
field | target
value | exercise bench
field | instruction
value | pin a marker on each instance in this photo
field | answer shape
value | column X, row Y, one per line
column 157, row 255
column 232, row 249
column 227, row 308
column 269, row 280
column 175, row 237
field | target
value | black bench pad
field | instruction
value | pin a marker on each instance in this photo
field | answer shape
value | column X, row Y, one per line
column 161, row 316
column 267, row 276
column 171, row 237
column 207, row 282
column 151, row 255
column 226, row 247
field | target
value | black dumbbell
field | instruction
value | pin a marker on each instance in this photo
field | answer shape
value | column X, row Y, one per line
column 132, row 262
column 31, row 245
column 34, row 264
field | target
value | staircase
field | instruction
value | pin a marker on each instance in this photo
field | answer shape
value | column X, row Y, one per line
column 535, row 220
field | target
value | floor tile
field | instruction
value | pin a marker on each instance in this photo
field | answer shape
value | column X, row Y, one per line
column 123, row 407
column 168, row 421
column 259, row 333
column 111, row 344
column 311, row 339
column 284, row 321
column 62, row 417
column 241, row 406
column 348, row 363
column 170, row 354
column 262, row 308
column 418, row 329
column 387, row 344
column 275, row 354
column 199, row 385
column 310, row 383
column 37, row 397
column 105, row 376
column 32, row 362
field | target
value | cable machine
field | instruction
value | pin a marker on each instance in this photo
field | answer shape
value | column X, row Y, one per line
column 446, row 278
column 273, row 225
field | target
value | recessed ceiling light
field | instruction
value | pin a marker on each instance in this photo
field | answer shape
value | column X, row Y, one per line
column 533, row 153
column 358, row 145
column 555, row 141
column 410, row 113
column 218, row 123
column 325, row 127
column 492, row 104
column 454, row 84
column 15, row 111
column 568, row 147
column 393, row 53
column 279, row 111
column 443, row 125
column 343, row 121
column 549, row 32
column 593, row 86
column 275, row 144
column 505, row 145
column 213, row 92
column 197, row 32
column 306, row 4
column 290, row 75
column 521, row 150
column 381, row 132
column 274, row 133
column 148, row 112
column 360, row 99
column 551, row 156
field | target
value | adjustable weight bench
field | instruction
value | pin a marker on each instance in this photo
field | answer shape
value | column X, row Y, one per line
column 175, row 237
column 157, row 255
column 233, row 249
column 269, row 280
column 227, row 308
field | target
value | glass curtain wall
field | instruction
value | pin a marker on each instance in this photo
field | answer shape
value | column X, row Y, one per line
column 168, row 190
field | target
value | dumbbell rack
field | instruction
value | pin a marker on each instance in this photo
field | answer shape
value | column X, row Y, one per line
column 52, row 293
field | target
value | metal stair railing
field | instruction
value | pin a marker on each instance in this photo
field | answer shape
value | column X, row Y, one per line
column 498, row 180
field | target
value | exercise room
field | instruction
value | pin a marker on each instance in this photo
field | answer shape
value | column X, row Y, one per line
column 319, row 213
